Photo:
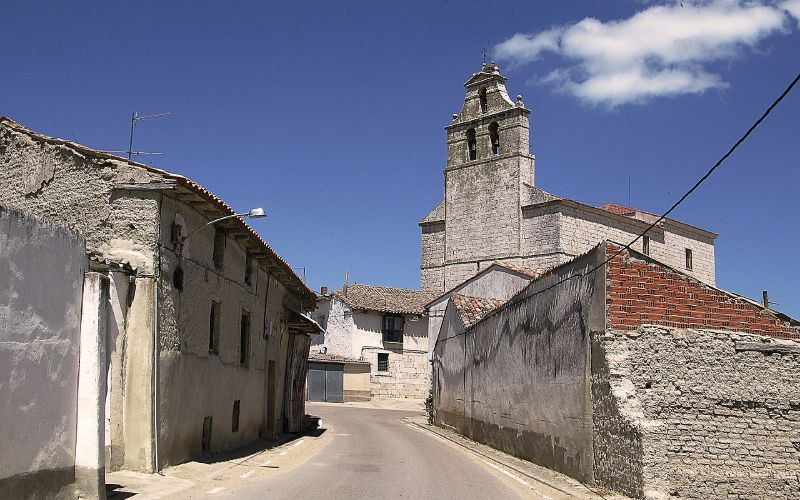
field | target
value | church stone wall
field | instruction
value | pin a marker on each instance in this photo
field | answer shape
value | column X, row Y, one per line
column 482, row 210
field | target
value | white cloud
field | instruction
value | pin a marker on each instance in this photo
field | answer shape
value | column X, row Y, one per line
column 660, row 51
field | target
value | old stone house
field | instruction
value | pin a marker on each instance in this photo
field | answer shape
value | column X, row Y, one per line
column 386, row 327
column 627, row 373
column 207, row 342
column 492, row 211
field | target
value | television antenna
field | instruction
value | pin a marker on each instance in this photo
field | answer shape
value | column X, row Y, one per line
column 135, row 117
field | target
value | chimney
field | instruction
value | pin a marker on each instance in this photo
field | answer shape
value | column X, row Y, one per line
column 323, row 290
column 765, row 299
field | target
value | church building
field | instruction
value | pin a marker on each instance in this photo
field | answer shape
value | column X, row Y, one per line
column 492, row 211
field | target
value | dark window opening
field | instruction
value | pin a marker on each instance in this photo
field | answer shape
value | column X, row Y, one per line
column 689, row 262
column 645, row 245
column 219, row 248
column 494, row 136
column 248, row 269
column 392, row 328
column 472, row 144
column 177, row 278
column 206, row 443
column 484, row 102
column 383, row 361
column 244, row 339
column 235, row 417
column 213, row 331
column 177, row 234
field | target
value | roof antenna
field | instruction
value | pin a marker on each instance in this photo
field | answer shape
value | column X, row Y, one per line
column 135, row 117
column 484, row 53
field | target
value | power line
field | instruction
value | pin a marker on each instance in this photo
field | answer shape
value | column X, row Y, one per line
column 664, row 215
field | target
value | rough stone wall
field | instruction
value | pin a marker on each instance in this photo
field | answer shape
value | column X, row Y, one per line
column 696, row 413
column 522, row 384
column 640, row 290
column 407, row 376
column 184, row 325
column 59, row 183
column 42, row 265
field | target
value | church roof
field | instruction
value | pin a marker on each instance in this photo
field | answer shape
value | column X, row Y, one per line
column 385, row 299
column 436, row 215
column 473, row 309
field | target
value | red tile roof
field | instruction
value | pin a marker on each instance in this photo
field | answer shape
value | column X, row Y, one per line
column 473, row 309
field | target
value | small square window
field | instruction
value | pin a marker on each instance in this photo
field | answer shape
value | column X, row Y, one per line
column 646, row 245
column 689, row 263
column 383, row 361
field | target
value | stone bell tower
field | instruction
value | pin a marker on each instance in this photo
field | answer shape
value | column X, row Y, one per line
column 488, row 167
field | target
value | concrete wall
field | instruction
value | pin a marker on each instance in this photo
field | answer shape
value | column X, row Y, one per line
column 696, row 414
column 518, row 380
column 356, row 383
column 42, row 266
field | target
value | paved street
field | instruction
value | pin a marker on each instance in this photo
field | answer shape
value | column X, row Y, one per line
column 362, row 451
column 375, row 454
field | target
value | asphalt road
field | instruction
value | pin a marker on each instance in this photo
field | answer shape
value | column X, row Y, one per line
column 374, row 454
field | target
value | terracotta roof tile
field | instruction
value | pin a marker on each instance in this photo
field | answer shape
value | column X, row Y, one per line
column 385, row 299
column 473, row 309
column 619, row 209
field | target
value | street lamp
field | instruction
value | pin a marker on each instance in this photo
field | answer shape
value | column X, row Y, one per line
column 254, row 213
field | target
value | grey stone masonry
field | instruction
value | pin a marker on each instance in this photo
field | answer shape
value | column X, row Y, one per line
column 491, row 210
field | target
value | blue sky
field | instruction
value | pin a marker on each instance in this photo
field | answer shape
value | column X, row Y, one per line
column 330, row 115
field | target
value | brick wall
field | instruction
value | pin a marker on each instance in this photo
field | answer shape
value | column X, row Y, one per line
column 642, row 291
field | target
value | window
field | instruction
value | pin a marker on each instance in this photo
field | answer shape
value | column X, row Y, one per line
column 219, row 248
column 494, row 136
column 235, row 417
column 213, row 331
column 689, row 259
column 646, row 245
column 383, row 361
column 248, row 269
column 472, row 144
column 177, row 278
column 244, row 339
column 484, row 102
column 177, row 233
column 392, row 328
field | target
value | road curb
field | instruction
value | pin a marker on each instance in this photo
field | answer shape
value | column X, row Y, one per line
column 567, row 490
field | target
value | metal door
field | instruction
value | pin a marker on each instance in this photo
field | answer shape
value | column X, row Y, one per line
column 334, row 375
column 316, row 382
